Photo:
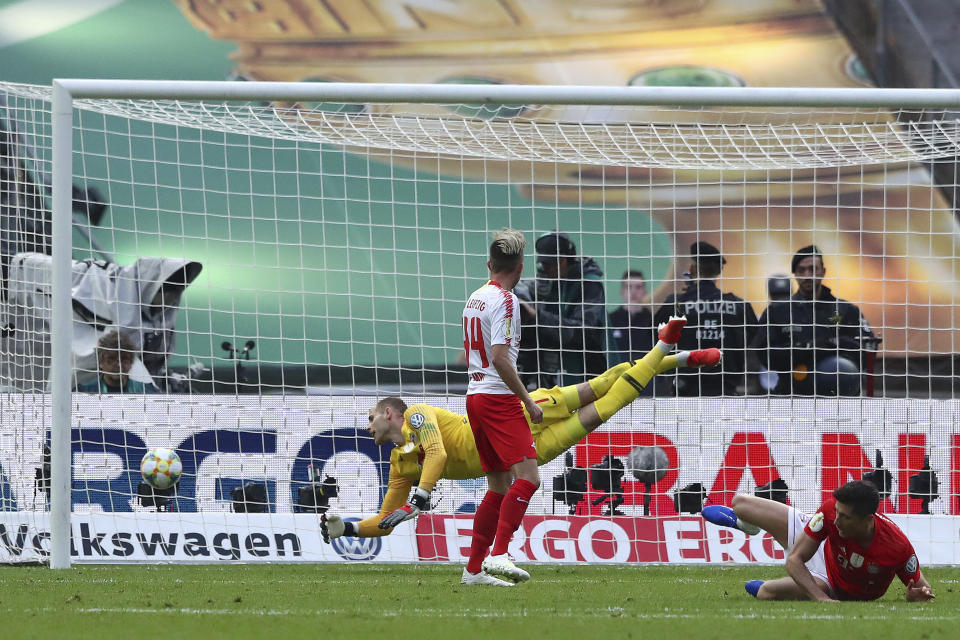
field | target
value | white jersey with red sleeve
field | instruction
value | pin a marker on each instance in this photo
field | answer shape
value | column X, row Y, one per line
column 490, row 317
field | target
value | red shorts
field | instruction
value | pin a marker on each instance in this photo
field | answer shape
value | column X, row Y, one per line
column 500, row 429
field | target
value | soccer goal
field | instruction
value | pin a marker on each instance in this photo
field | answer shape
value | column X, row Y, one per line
column 206, row 286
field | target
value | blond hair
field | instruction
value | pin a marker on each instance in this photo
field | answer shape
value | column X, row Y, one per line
column 506, row 252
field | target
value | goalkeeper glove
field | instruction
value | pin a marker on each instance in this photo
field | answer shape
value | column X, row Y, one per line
column 333, row 526
column 419, row 501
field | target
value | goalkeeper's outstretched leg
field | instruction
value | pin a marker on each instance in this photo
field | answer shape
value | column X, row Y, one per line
column 580, row 395
column 600, row 398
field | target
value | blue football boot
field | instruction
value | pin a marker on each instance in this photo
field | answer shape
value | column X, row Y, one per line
column 725, row 517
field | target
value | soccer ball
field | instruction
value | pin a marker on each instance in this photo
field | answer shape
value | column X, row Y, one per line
column 161, row 467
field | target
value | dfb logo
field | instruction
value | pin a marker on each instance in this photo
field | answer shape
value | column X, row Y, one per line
column 356, row 549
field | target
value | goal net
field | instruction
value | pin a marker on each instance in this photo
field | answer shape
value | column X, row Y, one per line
column 248, row 277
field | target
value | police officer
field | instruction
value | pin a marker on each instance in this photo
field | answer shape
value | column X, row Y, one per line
column 813, row 342
column 714, row 319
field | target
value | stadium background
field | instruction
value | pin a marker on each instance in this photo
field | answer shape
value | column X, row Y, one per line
column 759, row 43
column 731, row 445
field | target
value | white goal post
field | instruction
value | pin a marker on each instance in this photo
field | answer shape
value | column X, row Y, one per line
column 759, row 172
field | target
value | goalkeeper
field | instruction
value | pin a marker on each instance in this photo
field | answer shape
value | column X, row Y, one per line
column 433, row 443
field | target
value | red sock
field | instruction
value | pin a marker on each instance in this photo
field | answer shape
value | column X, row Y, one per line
column 515, row 504
column 484, row 526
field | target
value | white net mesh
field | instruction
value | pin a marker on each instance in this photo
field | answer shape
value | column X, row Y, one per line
column 674, row 139
column 265, row 272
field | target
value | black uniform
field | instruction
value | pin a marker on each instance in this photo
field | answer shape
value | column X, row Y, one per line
column 569, row 333
column 714, row 319
column 632, row 337
column 632, row 333
column 797, row 334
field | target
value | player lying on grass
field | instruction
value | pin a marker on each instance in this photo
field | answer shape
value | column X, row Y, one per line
column 434, row 443
column 861, row 550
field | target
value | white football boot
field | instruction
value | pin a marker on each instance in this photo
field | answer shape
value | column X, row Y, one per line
column 482, row 579
column 502, row 567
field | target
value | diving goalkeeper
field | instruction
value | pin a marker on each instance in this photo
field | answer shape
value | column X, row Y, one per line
column 433, row 443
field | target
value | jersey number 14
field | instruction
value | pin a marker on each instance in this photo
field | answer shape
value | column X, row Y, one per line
column 473, row 339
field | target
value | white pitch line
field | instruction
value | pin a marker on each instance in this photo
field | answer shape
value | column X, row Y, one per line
column 474, row 613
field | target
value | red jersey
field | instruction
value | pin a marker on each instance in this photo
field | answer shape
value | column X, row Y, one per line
column 858, row 573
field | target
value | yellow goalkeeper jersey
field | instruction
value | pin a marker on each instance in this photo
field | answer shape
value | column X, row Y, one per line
column 436, row 444
column 439, row 444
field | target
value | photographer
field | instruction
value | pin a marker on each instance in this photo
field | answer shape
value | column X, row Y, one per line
column 812, row 331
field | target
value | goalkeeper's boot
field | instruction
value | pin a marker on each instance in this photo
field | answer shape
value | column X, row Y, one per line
column 669, row 332
column 725, row 517
column 704, row 357
column 502, row 567
column 482, row 579
column 753, row 587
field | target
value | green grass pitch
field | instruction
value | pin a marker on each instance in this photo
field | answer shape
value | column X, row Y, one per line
column 408, row 602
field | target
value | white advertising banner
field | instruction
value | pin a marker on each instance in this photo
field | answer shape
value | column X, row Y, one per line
column 209, row 538
column 806, row 446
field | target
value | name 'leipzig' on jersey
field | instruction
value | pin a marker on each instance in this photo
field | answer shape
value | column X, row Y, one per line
column 490, row 317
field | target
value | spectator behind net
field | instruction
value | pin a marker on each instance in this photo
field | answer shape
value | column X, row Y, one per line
column 631, row 324
column 566, row 316
column 116, row 357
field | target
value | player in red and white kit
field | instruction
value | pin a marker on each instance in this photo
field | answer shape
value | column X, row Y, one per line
column 845, row 551
column 491, row 338
column 495, row 402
